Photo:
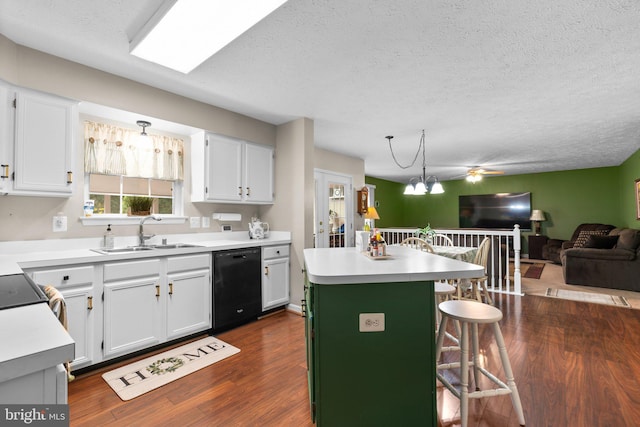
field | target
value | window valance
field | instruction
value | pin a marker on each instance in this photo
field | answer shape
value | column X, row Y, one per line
column 112, row 150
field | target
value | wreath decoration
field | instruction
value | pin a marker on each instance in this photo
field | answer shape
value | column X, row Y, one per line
column 160, row 367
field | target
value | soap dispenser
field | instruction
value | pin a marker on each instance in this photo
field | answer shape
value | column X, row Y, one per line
column 108, row 238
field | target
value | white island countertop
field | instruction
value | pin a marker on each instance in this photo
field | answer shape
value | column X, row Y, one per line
column 348, row 266
column 32, row 340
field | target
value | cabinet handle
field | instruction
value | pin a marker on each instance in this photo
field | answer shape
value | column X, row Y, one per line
column 239, row 191
column 248, row 191
column 158, row 291
column 65, row 277
column 69, row 177
column 89, row 303
column 5, row 171
column 170, row 288
column 266, row 270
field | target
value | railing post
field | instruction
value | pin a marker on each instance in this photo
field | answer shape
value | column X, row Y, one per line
column 517, row 280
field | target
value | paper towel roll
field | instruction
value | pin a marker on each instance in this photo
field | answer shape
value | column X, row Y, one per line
column 227, row 216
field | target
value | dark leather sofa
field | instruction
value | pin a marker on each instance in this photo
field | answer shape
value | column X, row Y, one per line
column 611, row 261
column 554, row 247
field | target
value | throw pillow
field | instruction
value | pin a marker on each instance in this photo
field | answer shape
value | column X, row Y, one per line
column 584, row 235
column 629, row 239
column 601, row 242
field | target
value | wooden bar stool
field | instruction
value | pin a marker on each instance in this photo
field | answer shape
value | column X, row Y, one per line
column 445, row 292
column 469, row 312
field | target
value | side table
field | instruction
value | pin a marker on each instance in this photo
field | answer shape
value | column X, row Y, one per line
column 536, row 242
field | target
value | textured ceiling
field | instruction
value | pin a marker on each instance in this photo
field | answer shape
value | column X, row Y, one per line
column 521, row 86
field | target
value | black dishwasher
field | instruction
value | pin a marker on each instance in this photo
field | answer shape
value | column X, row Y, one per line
column 237, row 296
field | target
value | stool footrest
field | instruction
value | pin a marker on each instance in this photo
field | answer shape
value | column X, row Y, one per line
column 452, row 348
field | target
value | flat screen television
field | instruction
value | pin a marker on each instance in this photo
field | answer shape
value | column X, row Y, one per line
column 501, row 210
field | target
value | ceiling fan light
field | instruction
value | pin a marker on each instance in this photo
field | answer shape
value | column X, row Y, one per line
column 420, row 189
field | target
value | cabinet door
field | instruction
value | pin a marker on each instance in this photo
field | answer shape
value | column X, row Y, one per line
column 79, row 303
column 44, row 143
column 188, row 302
column 275, row 283
column 258, row 173
column 224, row 172
column 132, row 315
column 76, row 284
column 6, row 137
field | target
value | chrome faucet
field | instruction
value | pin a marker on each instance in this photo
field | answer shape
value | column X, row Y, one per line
column 141, row 234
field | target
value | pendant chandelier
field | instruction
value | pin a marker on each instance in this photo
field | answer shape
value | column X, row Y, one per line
column 424, row 184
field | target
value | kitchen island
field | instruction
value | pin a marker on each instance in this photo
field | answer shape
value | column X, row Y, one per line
column 370, row 331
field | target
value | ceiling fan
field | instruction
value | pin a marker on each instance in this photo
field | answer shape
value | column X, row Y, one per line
column 475, row 174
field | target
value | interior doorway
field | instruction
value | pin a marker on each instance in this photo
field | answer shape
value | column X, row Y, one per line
column 333, row 210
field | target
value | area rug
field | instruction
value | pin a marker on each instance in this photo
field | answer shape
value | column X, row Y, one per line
column 615, row 300
column 147, row 374
column 533, row 271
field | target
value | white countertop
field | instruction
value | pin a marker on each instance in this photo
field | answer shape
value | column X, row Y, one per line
column 14, row 256
column 348, row 265
column 32, row 340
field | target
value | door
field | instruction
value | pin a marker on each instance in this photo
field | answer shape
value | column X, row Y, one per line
column 132, row 311
column 333, row 224
column 44, row 143
column 224, row 172
column 258, row 173
column 275, row 283
column 188, row 302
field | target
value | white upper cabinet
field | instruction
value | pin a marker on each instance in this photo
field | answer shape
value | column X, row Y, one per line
column 229, row 170
column 37, row 155
column 6, row 136
column 258, row 173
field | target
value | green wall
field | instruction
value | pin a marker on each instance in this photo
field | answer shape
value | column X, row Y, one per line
column 568, row 198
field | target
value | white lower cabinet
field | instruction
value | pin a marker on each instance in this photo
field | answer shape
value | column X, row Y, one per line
column 275, row 278
column 117, row 308
column 189, row 294
column 132, row 306
column 76, row 284
column 151, row 301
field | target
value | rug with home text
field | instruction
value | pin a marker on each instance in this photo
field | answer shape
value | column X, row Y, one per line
column 144, row 375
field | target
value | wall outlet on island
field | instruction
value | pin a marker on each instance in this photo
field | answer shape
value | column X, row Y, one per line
column 371, row 322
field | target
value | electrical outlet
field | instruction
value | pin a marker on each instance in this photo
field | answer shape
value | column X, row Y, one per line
column 59, row 223
column 371, row 322
column 206, row 222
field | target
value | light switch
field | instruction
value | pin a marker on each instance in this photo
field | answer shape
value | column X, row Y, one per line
column 206, row 222
column 195, row 221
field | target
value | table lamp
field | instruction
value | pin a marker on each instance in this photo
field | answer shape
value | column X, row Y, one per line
column 537, row 216
column 371, row 213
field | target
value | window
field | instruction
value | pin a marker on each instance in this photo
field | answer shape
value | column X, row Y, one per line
column 120, row 164
column 110, row 192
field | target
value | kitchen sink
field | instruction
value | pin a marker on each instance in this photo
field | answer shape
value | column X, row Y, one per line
column 144, row 248
column 123, row 250
column 176, row 246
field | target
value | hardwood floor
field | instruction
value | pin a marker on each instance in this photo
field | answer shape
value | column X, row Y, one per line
column 574, row 363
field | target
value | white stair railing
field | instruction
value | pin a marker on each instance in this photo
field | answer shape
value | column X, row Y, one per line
column 505, row 246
